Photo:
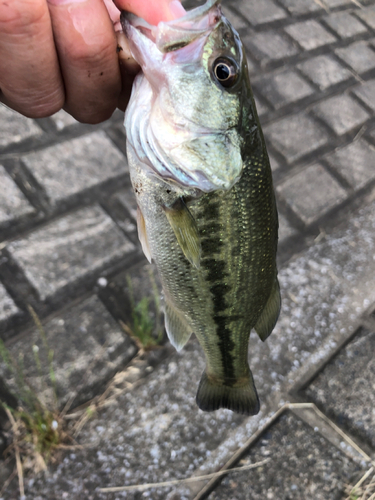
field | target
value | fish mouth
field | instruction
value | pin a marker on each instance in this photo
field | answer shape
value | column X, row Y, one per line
column 172, row 35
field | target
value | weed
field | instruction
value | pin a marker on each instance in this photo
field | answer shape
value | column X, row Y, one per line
column 36, row 431
column 365, row 487
column 146, row 328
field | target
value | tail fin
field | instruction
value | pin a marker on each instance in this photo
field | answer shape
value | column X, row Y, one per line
column 240, row 399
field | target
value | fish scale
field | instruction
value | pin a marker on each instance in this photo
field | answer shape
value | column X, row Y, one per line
column 210, row 228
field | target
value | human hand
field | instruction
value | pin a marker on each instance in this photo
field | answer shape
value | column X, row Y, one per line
column 63, row 54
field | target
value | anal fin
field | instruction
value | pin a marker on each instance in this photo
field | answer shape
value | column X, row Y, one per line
column 267, row 320
column 186, row 230
column 178, row 329
column 142, row 235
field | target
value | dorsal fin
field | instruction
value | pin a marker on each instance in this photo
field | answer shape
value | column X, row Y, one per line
column 186, row 230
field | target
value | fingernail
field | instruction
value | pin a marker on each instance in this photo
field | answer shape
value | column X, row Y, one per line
column 177, row 9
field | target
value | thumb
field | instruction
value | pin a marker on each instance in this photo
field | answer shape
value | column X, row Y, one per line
column 153, row 11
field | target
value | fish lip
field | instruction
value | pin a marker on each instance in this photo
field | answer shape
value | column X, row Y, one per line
column 192, row 25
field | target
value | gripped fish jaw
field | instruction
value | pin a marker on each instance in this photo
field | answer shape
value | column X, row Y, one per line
column 148, row 43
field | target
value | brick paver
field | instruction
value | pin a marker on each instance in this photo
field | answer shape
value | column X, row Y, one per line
column 355, row 163
column 283, row 135
column 324, row 71
column 283, row 88
column 65, row 171
column 310, row 34
column 345, row 25
column 311, row 193
column 15, row 128
column 301, row 466
column 341, row 113
column 359, row 56
column 7, row 306
column 345, row 386
column 67, row 250
column 68, row 244
column 13, row 204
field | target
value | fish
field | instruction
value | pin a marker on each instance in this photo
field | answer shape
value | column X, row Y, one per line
column 206, row 212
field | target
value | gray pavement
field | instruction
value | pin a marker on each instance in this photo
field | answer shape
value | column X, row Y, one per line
column 68, row 243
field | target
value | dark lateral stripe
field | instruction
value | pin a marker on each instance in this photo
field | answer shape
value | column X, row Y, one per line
column 217, row 275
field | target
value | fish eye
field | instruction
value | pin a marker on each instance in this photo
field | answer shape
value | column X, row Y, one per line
column 225, row 71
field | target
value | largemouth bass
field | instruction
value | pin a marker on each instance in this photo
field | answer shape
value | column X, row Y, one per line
column 206, row 207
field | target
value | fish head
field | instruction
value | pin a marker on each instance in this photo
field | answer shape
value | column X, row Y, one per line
column 188, row 104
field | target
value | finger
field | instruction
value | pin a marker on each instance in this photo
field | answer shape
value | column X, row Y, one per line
column 30, row 79
column 153, row 11
column 86, row 45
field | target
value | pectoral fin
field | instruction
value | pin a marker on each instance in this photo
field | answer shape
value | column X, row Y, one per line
column 176, row 326
column 270, row 313
column 142, row 234
column 186, row 231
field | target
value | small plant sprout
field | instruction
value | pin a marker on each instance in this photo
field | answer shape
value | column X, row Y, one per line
column 146, row 326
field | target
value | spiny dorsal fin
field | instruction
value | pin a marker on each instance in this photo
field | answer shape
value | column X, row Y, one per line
column 267, row 320
column 142, row 235
column 186, row 230
column 176, row 326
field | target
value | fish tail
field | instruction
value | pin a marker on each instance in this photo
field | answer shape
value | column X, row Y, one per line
column 240, row 397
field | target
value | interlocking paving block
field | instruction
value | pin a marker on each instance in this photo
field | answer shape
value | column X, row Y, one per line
column 366, row 93
column 341, row 113
column 285, row 228
column 138, row 284
column 15, row 127
column 345, row 387
column 358, row 55
column 311, row 193
column 62, row 120
column 237, row 21
column 275, row 165
column 324, row 71
column 70, row 167
column 355, row 163
column 260, row 106
column 123, row 208
column 310, row 34
column 295, row 136
column 303, row 465
column 367, row 15
column 298, row 7
column 261, row 12
column 269, row 46
column 345, row 25
column 13, row 203
column 69, row 249
column 88, row 347
column 7, row 307
column 283, row 88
